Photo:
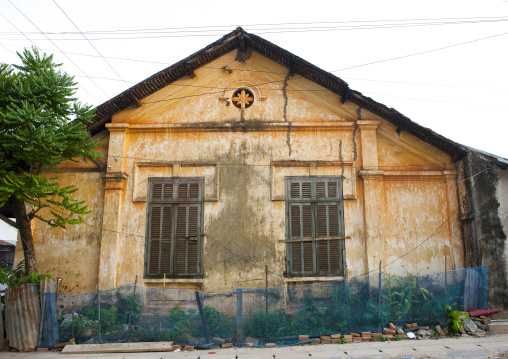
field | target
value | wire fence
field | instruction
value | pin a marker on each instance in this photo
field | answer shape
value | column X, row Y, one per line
column 277, row 315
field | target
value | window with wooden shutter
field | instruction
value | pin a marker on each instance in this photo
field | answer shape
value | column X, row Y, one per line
column 314, row 226
column 174, row 235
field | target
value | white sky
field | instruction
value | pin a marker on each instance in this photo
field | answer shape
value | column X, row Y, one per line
column 459, row 92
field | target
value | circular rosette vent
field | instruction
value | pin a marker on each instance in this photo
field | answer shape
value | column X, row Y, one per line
column 243, row 98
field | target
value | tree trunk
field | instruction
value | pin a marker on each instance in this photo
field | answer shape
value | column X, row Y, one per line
column 25, row 233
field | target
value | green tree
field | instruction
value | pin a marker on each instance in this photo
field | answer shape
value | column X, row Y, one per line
column 39, row 129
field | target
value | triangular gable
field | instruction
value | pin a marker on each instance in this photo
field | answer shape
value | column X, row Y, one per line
column 244, row 43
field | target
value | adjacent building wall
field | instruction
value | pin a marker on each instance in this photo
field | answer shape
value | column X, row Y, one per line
column 485, row 221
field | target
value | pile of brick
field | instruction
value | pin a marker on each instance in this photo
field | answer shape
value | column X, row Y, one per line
column 475, row 326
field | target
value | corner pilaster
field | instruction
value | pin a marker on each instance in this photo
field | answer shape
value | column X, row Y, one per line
column 372, row 184
column 115, row 181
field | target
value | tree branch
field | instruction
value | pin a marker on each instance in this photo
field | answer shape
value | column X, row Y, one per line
column 8, row 221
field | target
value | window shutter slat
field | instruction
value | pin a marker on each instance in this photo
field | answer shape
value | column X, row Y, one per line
column 335, row 256
column 321, row 189
column 306, row 190
column 322, row 223
column 168, row 191
column 295, row 190
column 193, row 222
column 155, row 223
column 296, row 257
column 333, row 220
column 165, row 256
column 182, row 190
column 157, row 191
column 154, row 256
column 194, row 191
column 295, row 222
column 181, row 256
column 307, row 221
column 332, row 189
column 323, row 257
column 192, row 257
column 181, row 224
column 308, row 260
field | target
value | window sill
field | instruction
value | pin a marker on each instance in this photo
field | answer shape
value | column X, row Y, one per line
column 174, row 280
column 296, row 280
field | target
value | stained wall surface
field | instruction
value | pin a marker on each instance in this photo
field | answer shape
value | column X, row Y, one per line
column 400, row 195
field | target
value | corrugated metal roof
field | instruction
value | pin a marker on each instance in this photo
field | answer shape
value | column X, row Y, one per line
column 22, row 316
column 4, row 243
column 243, row 40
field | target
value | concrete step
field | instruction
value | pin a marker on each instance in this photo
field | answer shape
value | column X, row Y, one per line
column 498, row 328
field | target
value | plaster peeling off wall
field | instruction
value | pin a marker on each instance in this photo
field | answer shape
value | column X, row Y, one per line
column 502, row 197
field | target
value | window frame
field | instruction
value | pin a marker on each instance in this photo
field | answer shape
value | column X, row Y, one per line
column 174, row 203
column 314, row 242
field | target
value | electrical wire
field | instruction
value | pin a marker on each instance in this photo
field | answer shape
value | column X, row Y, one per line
column 63, row 54
column 275, row 25
column 276, row 30
column 421, row 53
column 107, row 62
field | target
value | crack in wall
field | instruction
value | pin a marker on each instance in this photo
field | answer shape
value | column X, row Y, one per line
column 341, row 159
column 358, row 118
column 284, row 114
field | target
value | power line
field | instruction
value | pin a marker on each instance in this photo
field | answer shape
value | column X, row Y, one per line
column 33, row 43
column 217, row 31
column 225, row 27
column 63, row 54
column 421, row 53
column 120, row 77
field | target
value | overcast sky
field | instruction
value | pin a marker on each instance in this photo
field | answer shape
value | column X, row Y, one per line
column 459, row 90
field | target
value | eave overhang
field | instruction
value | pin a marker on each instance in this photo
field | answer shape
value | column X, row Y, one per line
column 239, row 39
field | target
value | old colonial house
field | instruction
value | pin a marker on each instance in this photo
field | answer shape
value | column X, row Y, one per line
column 244, row 155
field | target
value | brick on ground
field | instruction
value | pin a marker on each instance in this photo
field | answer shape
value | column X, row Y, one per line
column 414, row 325
column 335, row 336
column 219, row 341
column 355, row 334
column 392, row 326
column 252, row 340
column 316, row 341
column 188, row 348
column 227, row 345
column 366, row 334
column 270, row 345
column 388, row 331
column 175, row 347
column 303, row 338
column 325, row 337
column 439, row 329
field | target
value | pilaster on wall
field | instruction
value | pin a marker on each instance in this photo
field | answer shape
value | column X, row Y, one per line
column 372, row 180
column 115, row 181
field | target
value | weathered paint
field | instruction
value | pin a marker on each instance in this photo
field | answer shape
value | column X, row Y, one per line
column 484, row 218
column 399, row 191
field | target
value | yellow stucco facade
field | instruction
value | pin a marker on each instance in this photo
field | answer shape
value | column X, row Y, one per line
column 399, row 192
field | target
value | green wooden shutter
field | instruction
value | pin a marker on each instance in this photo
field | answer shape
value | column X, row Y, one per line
column 187, row 240
column 315, row 210
column 154, row 242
